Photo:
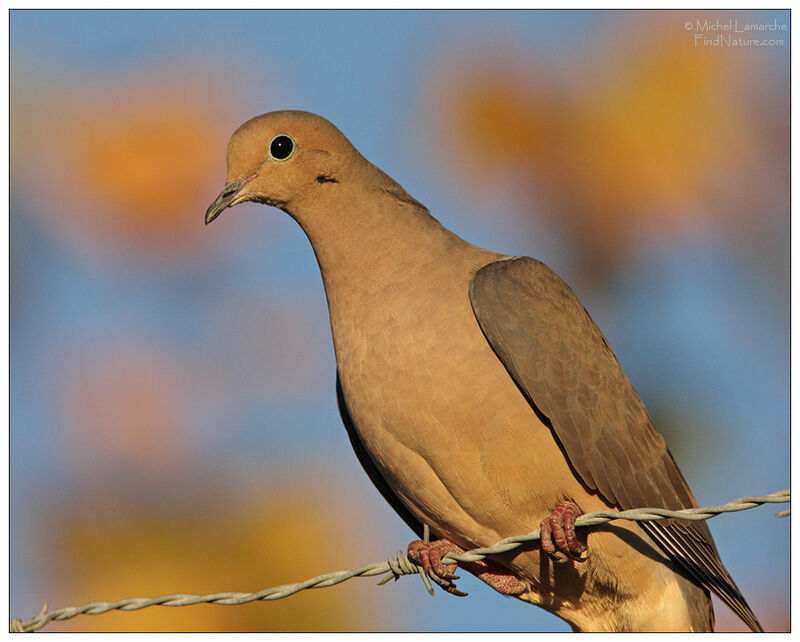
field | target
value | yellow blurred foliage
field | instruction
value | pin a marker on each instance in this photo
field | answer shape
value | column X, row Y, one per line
column 643, row 144
column 275, row 535
column 130, row 163
column 143, row 169
column 646, row 142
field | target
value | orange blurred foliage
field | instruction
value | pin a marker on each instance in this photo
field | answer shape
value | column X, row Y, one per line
column 274, row 535
column 642, row 145
column 128, row 164
column 141, row 169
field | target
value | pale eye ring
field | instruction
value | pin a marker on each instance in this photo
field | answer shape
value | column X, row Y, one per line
column 281, row 147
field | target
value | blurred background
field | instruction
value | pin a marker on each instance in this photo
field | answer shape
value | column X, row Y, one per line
column 173, row 417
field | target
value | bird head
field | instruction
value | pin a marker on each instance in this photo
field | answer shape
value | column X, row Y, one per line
column 282, row 157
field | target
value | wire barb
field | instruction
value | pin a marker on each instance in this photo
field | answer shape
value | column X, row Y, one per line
column 395, row 566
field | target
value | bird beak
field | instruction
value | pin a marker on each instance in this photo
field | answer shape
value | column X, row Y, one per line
column 225, row 199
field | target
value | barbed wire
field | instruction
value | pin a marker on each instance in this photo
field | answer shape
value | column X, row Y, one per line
column 394, row 567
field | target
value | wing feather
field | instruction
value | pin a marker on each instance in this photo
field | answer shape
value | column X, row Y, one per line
column 563, row 364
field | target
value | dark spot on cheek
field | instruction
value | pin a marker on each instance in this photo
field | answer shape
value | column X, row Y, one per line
column 322, row 178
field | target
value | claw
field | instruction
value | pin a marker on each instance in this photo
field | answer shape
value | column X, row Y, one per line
column 559, row 540
column 429, row 556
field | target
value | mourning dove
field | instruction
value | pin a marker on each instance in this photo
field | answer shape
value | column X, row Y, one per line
column 481, row 398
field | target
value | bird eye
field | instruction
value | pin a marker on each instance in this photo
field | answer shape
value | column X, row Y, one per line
column 281, row 147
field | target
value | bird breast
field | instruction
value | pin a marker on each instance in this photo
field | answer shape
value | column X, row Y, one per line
column 442, row 419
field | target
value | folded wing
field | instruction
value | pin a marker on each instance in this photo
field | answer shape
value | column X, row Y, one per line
column 564, row 366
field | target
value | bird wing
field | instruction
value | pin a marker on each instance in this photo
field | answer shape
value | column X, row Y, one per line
column 369, row 466
column 564, row 366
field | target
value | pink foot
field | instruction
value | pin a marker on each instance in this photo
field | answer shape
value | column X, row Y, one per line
column 429, row 556
column 558, row 534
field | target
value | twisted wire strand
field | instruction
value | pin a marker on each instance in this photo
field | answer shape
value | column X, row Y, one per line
column 395, row 566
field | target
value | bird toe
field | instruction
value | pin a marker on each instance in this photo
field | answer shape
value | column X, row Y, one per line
column 558, row 536
column 429, row 557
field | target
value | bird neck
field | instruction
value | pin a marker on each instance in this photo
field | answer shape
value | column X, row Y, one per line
column 372, row 244
column 373, row 235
